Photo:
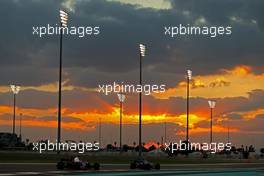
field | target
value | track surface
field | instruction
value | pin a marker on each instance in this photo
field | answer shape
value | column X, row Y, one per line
column 122, row 169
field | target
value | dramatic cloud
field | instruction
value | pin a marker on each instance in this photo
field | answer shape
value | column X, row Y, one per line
column 113, row 54
column 228, row 69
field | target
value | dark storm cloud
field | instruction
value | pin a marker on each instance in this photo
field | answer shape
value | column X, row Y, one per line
column 21, row 61
column 114, row 53
column 231, row 105
column 245, row 125
column 221, row 11
column 7, row 116
column 255, row 101
column 73, row 100
column 260, row 116
column 41, row 118
column 235, row 116
column 65, row 119
column 202, row 124
column 242, row 47
column 30, row 99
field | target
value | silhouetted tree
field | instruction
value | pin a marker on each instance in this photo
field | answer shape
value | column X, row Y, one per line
column 109, row 147
column 134, row 146
column 152, row 148
column 125, row 147
column 262, row 152
column 27, row 141
column 251, row 148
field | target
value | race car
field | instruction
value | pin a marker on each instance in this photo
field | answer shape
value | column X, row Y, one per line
column 142, row 163
column 80, row 165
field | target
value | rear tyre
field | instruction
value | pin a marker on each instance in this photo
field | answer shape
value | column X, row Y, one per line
column 88, row 165
column 157, row 166
column 147, row 167
column 96, row 166
column 60, row 165
column 132, row 166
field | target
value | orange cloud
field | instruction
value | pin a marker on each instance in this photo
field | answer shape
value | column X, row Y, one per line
column 228, row 83
column 29, row 111
column 216, row 129
column 51, row 124
column 93, row 117
column 251, row 114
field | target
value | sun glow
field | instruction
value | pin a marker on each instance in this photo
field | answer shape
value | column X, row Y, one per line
column 234, row 82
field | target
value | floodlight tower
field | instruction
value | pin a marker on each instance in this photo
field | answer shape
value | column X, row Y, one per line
column 189, row 77
column 121, row 98
column 212, row 104
column 100, row 131
column 228, row 135
column 15, row 89
column 63, row 22
column 20, row 128
column 165, row 132
column 142, row 51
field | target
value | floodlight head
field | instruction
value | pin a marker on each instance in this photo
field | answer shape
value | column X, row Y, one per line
column 212, row 104
column 15, row 89
column 121, row 97
column 142, row 49
column 189, row 74
column 63, row 18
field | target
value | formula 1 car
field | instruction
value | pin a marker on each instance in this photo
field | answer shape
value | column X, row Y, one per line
column 142, row 163
column 70, row 164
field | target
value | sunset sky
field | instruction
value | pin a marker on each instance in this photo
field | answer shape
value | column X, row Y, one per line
column 228, row 69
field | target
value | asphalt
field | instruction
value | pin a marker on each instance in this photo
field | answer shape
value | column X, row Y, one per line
column 123, row 169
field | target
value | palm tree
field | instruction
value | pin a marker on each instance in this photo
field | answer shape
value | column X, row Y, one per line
column 134, row 145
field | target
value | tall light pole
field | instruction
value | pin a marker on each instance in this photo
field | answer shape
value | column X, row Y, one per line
column 63, row 20
column 20, row 129
column 189, row 77
column 228, row 134
column 100, row 131
column 212, row 104
column 165, row 132
column 121, row 98
column 15, row 89
column 142, row 51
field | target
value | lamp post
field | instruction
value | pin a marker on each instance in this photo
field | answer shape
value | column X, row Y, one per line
column 63, row 20
column 228, row 133
column 142, row 51
column 15, row 89
column 212, row 104
column 100, row 131
column 165, row 132
column 20, row 129
column 189, row 77
column 121, row 98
